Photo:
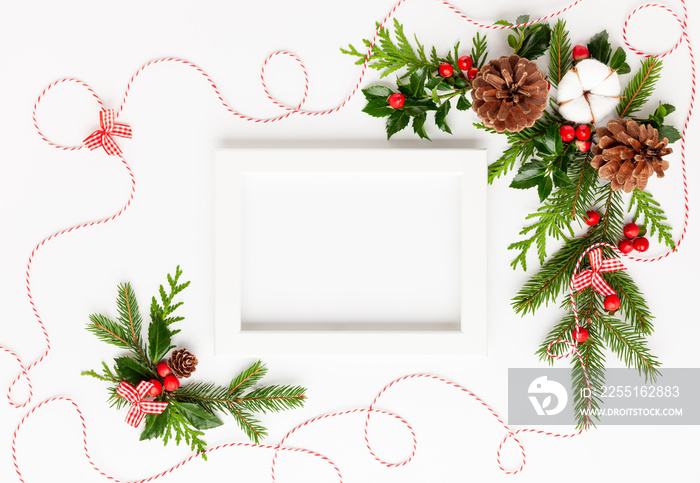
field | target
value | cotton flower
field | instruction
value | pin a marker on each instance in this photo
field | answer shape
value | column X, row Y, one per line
column 589, row 92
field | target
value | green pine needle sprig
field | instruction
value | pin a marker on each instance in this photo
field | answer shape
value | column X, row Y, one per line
column 560, row 53
column 640, row 88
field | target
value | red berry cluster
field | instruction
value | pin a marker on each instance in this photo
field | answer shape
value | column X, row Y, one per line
column 170, row 382
column 633, row 240
column 581, row 135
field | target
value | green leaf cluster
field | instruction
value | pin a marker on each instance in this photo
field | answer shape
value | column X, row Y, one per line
column 657, row 120
column 600, row 49
column 191, row 408
column 528, row 41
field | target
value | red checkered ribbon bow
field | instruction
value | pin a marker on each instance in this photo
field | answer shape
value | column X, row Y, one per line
column 103, row 137
column 592, row 277
column 139, row 407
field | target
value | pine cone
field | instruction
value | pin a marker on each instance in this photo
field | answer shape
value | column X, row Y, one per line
column 509, row 94
column 627, row 154
column 182, row 363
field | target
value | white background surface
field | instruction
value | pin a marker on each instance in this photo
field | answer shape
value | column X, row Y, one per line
column 178, row 125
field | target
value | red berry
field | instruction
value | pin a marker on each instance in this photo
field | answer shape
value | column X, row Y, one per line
column 583, row 132
column 465, row 62
column 625, row 246
column 567, row 133
column 592, row 217
column 170, row 383
column 472, row 73
column 631, row 230
column 580, row 334
column 445, row 69
column 583, row 146
column 163, row 369
column 641, row 244
column 580, row 53
column 156, row 389
column 611, row 303
column 396, row 100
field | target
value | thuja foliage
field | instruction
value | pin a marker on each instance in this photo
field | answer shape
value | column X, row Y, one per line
column 192, row 408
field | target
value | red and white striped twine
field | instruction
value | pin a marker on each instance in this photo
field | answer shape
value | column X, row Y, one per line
column 24, row 369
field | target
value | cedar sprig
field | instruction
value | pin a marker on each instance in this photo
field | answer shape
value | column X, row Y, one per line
column 648, row 211
column 640, row 87
column 389, row 56
column 560, row 53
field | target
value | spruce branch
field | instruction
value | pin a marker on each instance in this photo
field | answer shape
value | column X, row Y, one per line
column 560, row 53
column 641, row 87
column 649, row 210
column 632, row 303
column 128, row 310
column 273, row 399
column 629, row 345
column 594, row 361
column 247, row 378
column 247, row 422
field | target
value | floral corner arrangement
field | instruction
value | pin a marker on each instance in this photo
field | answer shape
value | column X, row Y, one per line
column 152, row 387
column 577, row 137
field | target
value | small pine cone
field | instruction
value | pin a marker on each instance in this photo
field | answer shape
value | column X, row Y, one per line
column 509, row 94
column 628, row 154
column 182, row 363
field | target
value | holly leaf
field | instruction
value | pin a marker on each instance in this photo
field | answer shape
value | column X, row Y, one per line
column 133, row 371
column 561, row 179
column 396, row 122
column 542, row 146
column 460, row 83
column 536, row 41
column 529, row 175
column 416, row 81
column 544, row 187
column 599, row 47
column 377, row 107
column 669, row 108
column 198, row 417
column 433, row 82
column 419, row 126
column 155, row 425
column 618, row 62
column 159, row 339
column 415, row 107
column 513, row 42
column 522, row 19
column 441, row 115
column 463, row 103
column 502, row 22
column 669, row 132
column 375, row 92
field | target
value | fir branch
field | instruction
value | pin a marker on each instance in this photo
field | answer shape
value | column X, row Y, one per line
column 128, row 311
column 250, row 426
column 632, row 303
column 629, row 345
column 273, row 398
column 560, row 57
column 648, row 209
column 109, row 331
column 552, row 279
column 641, row 87
column 594, row 361
column 247, row 378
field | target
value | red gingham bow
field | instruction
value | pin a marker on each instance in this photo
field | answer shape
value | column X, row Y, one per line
column 139, row 407
column 592, row 277
column 103, row 137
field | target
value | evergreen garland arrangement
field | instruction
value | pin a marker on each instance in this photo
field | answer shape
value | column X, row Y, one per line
column 191, row 408
column 551, row 152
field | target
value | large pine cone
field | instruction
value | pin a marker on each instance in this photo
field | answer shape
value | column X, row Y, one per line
column 627, row 154
column 182, row 363
column 509, row 94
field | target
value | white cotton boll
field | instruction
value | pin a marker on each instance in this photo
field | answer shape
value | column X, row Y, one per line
column 569, row 87
column 576, row 110
column 592, row 73
column 609, row 87
column 601, row 106
column 589, row 92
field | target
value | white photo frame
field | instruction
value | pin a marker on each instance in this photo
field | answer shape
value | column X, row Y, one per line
column 464, row 336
